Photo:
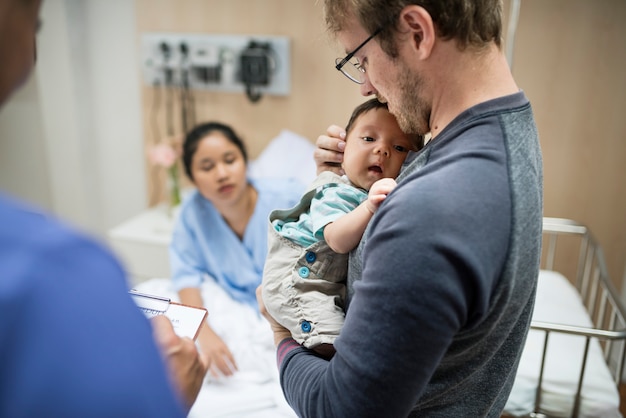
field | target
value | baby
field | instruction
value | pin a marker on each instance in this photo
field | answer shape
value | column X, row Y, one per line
column 306, row 267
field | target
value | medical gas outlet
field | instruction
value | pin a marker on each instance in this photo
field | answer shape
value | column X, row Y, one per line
column 249, row 64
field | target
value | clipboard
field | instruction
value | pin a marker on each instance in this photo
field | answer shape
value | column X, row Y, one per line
column 186, row 319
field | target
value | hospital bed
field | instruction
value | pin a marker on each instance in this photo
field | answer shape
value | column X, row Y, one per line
column 573, row 359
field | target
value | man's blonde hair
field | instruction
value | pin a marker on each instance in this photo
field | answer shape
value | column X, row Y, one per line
column 471, row 23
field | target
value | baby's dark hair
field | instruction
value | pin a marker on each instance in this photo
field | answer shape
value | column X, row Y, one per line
column 362, row 108
column 372, row 104
column 193, row 137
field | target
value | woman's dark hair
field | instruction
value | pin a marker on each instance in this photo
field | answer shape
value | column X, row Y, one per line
column 193, row 137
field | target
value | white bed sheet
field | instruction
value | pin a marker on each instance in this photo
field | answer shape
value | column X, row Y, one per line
column 559, row 302
column 254, row 391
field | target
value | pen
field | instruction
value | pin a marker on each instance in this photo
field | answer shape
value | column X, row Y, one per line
column 134, row 292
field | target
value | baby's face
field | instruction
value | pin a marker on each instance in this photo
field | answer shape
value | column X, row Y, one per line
column 376, row 147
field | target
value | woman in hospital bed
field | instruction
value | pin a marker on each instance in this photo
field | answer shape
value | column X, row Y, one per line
column 219, row 242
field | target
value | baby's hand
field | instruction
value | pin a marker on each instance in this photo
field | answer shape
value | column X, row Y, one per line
column 378, row 192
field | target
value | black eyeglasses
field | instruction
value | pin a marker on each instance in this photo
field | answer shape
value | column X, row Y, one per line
column 354, row 71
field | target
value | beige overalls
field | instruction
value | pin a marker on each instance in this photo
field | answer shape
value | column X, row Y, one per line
column 304, row 288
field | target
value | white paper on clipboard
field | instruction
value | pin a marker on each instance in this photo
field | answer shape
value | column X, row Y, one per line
column 185, row 319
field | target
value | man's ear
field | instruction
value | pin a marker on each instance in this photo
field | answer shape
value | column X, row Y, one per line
column 417, row 24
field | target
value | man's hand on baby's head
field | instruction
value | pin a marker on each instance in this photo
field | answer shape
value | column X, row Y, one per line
column 378, row 192
column 328, row 154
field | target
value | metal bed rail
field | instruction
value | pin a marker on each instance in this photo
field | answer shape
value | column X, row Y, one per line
column 598, row 294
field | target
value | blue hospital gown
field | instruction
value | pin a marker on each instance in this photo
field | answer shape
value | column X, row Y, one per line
column 204, row 244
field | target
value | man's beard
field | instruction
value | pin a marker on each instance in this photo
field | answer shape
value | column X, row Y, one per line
column 412, row 112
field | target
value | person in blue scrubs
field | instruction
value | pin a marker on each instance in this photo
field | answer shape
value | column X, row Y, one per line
column 72, row 341
column 221, row 233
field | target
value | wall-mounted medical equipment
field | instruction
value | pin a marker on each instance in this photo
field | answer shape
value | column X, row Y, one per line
column 249, row 64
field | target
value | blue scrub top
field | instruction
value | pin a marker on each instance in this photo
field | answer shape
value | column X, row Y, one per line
column 72, row 341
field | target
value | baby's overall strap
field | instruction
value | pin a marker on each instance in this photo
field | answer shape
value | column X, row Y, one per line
column 326, row 177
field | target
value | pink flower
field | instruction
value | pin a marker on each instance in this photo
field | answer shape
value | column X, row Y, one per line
column 163, row 155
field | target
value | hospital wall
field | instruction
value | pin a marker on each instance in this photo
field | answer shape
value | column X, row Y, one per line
column 73, row 140
column 569, row 58
column 319, row 95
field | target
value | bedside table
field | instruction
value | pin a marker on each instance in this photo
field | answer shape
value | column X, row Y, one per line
column 142, row 244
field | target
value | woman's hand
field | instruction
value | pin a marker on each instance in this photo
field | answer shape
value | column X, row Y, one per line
column 280, row 332
column 222, row 360
column 329, row 152
column 186, row 366
column 211, row 344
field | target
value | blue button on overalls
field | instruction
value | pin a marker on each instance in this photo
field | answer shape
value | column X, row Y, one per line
column 310, row 257
column 305, row 326
column 303, row 272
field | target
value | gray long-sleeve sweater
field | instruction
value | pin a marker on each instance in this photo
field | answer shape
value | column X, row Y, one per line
column 441, row 289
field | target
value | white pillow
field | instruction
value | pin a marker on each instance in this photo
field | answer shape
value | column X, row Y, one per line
column 289, row 155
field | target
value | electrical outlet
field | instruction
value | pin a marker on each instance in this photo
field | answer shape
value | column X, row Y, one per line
column 214, row 62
